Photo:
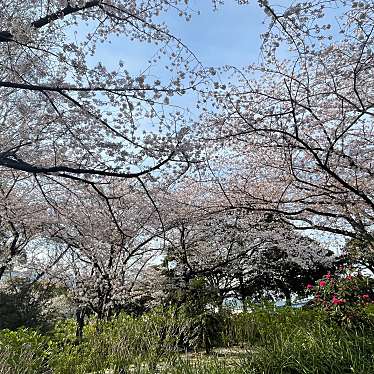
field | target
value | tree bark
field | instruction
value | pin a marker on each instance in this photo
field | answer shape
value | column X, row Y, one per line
column 80, row 313
column 287, row 294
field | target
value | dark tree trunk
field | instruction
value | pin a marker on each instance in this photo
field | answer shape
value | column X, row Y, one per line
column 2, row 271
column 287, row 294
column 243, row 298
column 242, row 292
column 207, row 344
column 79, row 313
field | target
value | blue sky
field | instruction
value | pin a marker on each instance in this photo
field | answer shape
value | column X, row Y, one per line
column 227, row 36
column 230, row 35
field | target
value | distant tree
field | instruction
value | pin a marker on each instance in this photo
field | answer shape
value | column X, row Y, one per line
column 108, row 245
column 239, row 255
column 359, row 252
column 24, row 303
column 282, row 272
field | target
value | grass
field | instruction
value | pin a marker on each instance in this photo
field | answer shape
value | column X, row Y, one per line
column 262, row 342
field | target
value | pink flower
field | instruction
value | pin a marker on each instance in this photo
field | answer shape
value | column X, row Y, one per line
column 322, row 283
column 337, row 301
column 365, row 296
column 309, row 286
column 328, row 275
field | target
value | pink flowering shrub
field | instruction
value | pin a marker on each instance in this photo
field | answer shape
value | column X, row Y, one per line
column 343, row 295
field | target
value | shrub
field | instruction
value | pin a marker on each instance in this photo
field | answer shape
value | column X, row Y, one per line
column 344, row 296
column 24, row 303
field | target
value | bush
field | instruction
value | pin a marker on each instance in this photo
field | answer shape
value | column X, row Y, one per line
column 27, row 304
column 344, row 296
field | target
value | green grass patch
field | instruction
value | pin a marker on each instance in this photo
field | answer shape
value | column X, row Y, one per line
column 263, row 341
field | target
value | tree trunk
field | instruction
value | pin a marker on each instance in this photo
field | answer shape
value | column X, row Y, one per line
column 79, row 313
column 245, row 309
column 207, row 343
column 287, row 295
column 2, row 271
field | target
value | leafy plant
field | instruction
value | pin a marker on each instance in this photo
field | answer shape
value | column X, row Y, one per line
column 24, row 351
column 344, row 295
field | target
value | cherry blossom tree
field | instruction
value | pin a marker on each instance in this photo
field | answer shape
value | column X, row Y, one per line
column 71, row 117
column 66, row 114
column 294, row 134
column 96, row 243
column 95, row 152
column 285, row 267
column 108, row 245
column 357, row 253
column 22, row 219
column 235, row 254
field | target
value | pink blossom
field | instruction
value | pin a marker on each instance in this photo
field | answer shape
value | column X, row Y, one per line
column 328, row 275
column 309, row 286
column 337, row 301
column 322, row 283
